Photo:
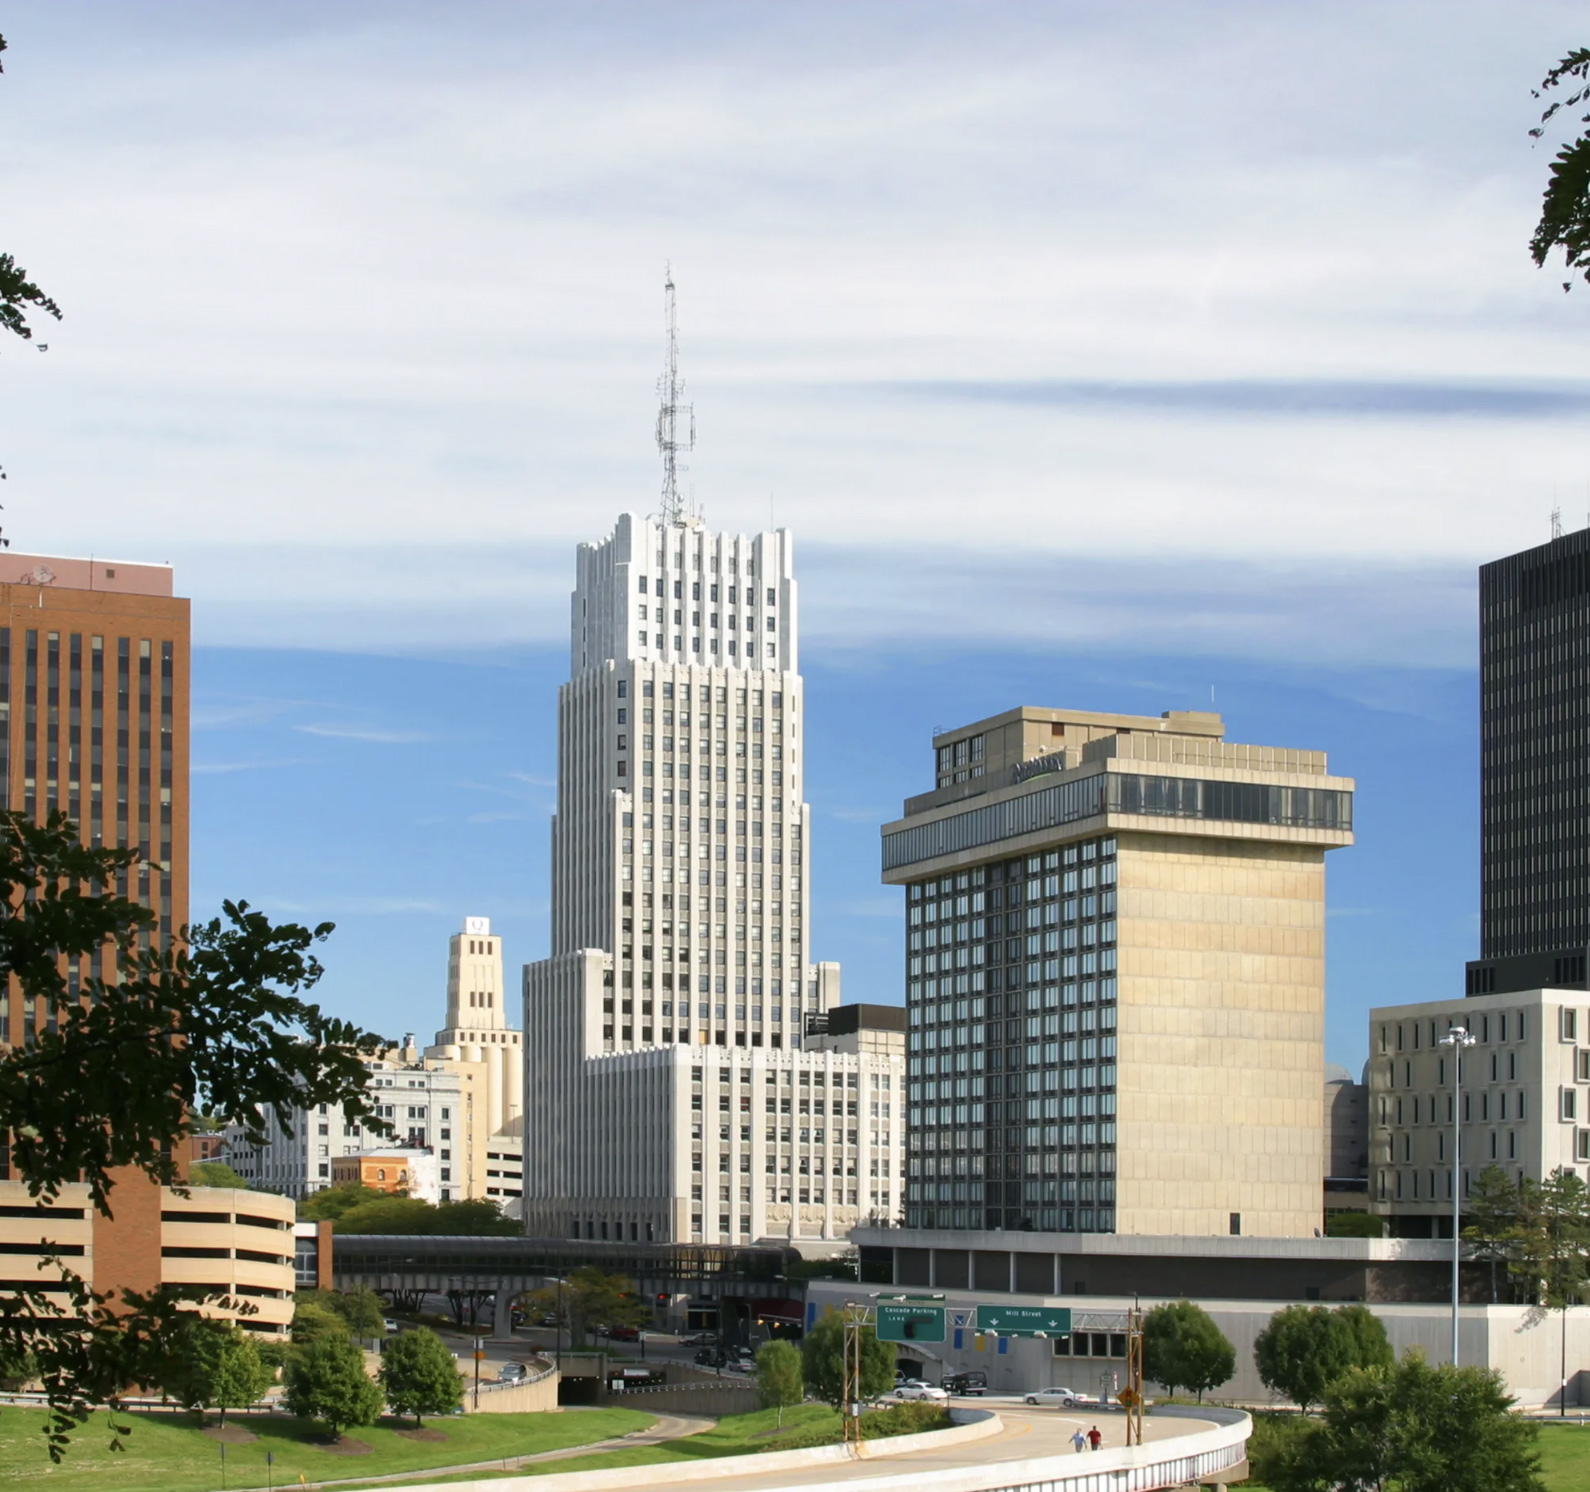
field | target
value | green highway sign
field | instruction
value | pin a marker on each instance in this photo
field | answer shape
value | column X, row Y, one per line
column 910, row 1323
column 1024, row 1321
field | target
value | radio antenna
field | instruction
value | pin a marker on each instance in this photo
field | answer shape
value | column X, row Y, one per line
column 676, row 420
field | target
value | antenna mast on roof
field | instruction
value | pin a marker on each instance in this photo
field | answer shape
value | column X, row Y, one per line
column 676, row 420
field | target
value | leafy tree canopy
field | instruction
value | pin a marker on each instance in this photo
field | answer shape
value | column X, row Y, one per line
column 780, row 1379
column 215, row 1365
column 215, row 1173
column 1414, row 1427
column 215, row 1023
column 822, row 1357
column 382, row 1213
column 591, row 1297
column 1565, row 207
column 1183, row 1348
column 420, row 1376
column 327, row 1383
column 1303, row 1350
column 1355, row 1225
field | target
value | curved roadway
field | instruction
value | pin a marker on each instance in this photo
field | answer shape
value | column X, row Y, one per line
column 1027, row 1433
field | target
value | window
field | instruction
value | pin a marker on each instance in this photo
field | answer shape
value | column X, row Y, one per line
column 1570, row 1023
column 1568, row 1105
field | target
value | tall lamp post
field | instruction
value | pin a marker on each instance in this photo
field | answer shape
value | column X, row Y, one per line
column 1458, row 1038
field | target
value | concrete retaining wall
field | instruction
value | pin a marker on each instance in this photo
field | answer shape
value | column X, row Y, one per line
column 539, row 1396
column 687, row 1398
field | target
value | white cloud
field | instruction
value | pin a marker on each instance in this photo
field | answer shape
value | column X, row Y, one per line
column 369, row 733
column 363, row 309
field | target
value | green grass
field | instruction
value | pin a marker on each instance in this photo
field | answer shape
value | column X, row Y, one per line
column 739, row 1435
column 167, row 1453
column 1565, row 1457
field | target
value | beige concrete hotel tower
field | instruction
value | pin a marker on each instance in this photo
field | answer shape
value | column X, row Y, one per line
column 1115, row 976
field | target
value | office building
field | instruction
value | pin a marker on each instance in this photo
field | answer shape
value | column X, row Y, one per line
column 1115, row 976
column 1525, row 1088
column 667, row 1093
column 484, row 1053
column 1535, row 771
column 399, row 1171
column 94, row 687
column 422, row 1101
column 1346, row 1143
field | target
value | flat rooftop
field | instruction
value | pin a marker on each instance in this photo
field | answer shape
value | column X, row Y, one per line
column 67, row 573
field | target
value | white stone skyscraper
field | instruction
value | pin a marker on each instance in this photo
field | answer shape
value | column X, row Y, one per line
column 667, row 1093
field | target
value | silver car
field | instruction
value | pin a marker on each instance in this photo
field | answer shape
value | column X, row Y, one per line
column 1065, row 1398
column 928, row 1391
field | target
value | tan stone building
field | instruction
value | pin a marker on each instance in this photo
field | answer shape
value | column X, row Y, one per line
column 1115, row 976
column 487, row 1056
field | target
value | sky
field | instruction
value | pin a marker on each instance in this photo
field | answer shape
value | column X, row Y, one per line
column 1097, row 355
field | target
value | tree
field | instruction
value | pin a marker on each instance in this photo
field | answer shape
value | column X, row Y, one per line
column 1183, row 1348
column 363, row 1311
column 1418, row 1428
column 1494, row 1218
column 1303, row 1350
column 216, row 1366
column 212, row 1022
column 215, row 1173
column 1372, row 1348
column 1354, row 1225
column 314, row 1322
column 327, row 1383
column 1565, row 207
column 382, row 1212
column 822, row 1358
column 333, row 1202
column 779, row 1378
column 420, row 1376
column 18, row 1367
column 591, row 1298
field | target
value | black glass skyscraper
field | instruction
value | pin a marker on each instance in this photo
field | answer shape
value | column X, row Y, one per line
column 1535, row 768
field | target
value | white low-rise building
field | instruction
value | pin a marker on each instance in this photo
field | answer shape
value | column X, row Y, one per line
column 1525, row 1096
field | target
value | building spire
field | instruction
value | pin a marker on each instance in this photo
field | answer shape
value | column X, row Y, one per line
column 676, row 420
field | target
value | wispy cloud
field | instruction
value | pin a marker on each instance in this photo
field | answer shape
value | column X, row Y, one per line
column 533, row 779
column 499, row 818
column 202, row 768
column 365, row 733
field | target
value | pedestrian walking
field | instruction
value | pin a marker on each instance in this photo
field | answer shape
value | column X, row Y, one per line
column 1078, row 1440
column 1094, row 1438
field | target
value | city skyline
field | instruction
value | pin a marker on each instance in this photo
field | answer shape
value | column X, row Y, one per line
column 1021, row 441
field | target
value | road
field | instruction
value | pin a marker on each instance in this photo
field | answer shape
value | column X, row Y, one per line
column 1027, row 1433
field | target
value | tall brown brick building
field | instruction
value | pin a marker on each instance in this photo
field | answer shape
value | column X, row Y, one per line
column 94, row 691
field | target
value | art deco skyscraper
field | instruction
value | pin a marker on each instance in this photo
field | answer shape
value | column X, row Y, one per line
column 680, row 900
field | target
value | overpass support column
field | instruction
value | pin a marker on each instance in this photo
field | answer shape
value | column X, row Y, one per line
column 502, row 1310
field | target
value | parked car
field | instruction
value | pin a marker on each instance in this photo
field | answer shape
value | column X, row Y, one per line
column 624, row 1333
column 1066, row 1398
column 974, row 1381
column 912, row 1391
column 390, row 1324
column 512, row 1372
column 706, row 1356
column 700, row 1339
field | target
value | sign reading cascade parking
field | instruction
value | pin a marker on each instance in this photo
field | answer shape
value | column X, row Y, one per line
column 910, row 1323
column 1024, row 1321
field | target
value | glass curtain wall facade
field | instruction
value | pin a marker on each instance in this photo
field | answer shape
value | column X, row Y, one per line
column 1011, row 1004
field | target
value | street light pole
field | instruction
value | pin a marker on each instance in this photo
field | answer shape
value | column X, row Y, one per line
column 1458, row 1038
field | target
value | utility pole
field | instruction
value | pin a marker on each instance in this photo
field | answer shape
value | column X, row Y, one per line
column 1458, row 1038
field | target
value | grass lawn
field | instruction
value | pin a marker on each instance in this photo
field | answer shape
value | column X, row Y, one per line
column 1565, row 1457
column 734, row 1435
column 166, row 1453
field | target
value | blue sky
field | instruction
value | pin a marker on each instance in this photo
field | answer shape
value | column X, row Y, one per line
column 1095, row 354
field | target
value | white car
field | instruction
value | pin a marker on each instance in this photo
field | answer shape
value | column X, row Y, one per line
column 1066, row 1398
column 929, row 1391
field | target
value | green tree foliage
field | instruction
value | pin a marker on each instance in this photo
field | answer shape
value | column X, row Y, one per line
column 822, row 1357
column 590, row 1298
column 216, row 1365
column 1303, row 1350
column 19, row 296
column 779, row 1376
column 383, row 1212
column 1372, row 1348
column 215, row 1023
column 314, row 1320
column 18, row 1366
column 362, row 1309
column 1354, row 1225
column 215, row 1173
column 1183, row 1348
column 1411, row 1426
column 1565, row 207
column 1552, row 1239
column 327, row 1383
column 419, row 1375
column 1495, row 1216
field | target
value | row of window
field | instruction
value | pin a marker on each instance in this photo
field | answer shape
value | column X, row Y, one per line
column 1046, row 1219
column 695, row 591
